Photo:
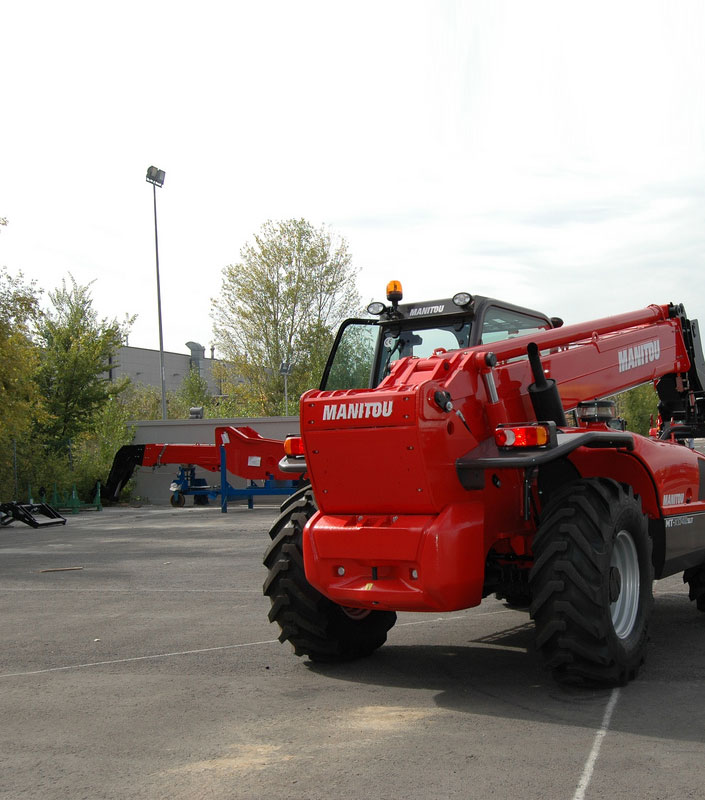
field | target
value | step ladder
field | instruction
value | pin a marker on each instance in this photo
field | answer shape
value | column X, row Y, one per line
column 28, row 513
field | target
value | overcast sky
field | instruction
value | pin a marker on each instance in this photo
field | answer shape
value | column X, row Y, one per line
column 548, row 153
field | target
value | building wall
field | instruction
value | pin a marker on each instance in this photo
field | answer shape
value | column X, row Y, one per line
column 152, row 484
column 142, row 366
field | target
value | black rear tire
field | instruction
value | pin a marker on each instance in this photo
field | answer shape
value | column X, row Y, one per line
column 592, row 583
column 315, row 626
column 695, row 578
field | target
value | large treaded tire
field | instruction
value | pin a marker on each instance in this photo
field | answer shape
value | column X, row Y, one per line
column 695, row 578
column 291, row 500
column 315, row 626
column 592, row 583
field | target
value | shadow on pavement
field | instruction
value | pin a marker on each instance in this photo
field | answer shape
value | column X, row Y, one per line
column 499, row 675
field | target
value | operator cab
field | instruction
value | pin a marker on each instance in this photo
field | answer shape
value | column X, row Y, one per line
column 365, row 349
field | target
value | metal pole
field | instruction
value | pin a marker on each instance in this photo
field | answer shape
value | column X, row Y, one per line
column 14, row 463
column 223, row 481
column 286, row 396
column 159, row 305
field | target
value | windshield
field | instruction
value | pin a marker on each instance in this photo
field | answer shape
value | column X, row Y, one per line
column 365, row 350
column 420, row 342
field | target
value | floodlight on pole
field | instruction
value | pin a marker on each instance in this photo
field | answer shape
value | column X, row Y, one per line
column 156, row 178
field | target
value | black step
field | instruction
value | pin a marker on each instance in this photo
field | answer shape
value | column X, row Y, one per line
column 28, row 512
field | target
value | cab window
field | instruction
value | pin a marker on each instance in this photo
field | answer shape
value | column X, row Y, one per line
column 503, row 323
column 352, row 357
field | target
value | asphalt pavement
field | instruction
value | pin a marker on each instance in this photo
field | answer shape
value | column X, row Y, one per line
column 137, row 661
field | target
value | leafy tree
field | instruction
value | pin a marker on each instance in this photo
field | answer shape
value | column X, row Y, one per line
column 141, row 401
column 75, row 357
column 92, row 452
column 192, row 393
column 235, row 398
column 59, row 417
column 19, row 399
column 637, row 406
column 281, row 303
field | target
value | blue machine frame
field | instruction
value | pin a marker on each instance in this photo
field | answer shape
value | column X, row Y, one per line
column 186, row 483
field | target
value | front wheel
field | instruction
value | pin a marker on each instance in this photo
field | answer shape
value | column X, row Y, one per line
column 592, row 583
column 315, row 626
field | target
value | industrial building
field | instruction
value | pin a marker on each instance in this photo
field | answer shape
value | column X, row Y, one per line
column 142, row 366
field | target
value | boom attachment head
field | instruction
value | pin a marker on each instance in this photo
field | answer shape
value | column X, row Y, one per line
column 682, row 395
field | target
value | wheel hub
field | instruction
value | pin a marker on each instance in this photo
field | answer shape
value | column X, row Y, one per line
column 356, row 613
column 624, row 583
column 615, row 584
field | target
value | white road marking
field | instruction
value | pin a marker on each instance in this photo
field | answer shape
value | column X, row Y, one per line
column 452, row 619
column 135, row 658
column 194, row 652
column 596, row 745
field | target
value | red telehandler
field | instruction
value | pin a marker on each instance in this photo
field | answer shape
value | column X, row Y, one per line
column 460, row 448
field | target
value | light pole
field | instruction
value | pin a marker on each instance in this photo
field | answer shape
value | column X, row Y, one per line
column 156, row 178
column 285, row 370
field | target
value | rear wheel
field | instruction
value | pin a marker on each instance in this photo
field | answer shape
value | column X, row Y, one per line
column 514, row 589
column 695, row 578
column 315, row 626
column 592, row 583
column 177, row 500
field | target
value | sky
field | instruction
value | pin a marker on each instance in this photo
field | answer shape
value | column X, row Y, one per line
column 551, row 154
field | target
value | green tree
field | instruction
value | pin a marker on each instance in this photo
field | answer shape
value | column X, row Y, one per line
column 638, row 406
column 235, row 397
column 93, row 451
column 282, row 302
column 19, row 397
column 76, row 348
column 140, row 401
column 192, row 393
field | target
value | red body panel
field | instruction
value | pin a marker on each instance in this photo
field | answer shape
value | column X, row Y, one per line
column 409, row 563
column 660, row 472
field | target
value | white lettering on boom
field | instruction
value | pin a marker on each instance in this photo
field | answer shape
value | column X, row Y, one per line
column 633, row 357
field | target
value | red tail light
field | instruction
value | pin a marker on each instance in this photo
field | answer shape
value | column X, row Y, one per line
column 294, row 446
column 538, row 435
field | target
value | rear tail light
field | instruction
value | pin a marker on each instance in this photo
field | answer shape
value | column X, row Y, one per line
column 294, row 446
column 539, row 434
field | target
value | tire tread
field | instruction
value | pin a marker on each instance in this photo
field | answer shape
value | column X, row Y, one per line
column 314, row 625
column 574, row 631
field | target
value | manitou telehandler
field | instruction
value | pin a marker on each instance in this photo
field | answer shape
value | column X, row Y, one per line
column 460, row 448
